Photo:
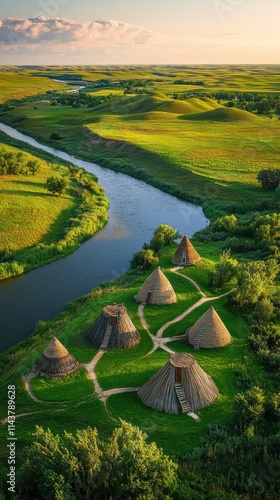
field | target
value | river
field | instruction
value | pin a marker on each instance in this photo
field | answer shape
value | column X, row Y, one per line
column 136, row 210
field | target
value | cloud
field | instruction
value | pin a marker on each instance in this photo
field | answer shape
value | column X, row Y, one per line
column 58, row 33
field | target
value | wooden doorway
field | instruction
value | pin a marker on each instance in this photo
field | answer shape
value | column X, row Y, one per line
column 149, row 297
column 113, row 320
column 177, row 374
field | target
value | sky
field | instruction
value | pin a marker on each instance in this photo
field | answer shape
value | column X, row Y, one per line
column 89, row 32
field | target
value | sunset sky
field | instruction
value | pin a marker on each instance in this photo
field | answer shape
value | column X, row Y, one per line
column 140, row 32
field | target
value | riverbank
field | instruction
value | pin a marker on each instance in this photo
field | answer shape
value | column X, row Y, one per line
column 39, row 227
column 203, row 160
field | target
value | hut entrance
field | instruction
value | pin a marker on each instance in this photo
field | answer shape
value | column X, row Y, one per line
column 177, row 374
column 148, row 299
column 113, row 320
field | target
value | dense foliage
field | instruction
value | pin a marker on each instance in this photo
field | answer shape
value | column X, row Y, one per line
column 269, row 178
column 82, row 466
column 12, row 163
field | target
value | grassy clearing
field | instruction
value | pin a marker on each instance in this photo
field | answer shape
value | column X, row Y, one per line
column 36, row 225
column 74, row 387
column 29, row 213
column 71, row 403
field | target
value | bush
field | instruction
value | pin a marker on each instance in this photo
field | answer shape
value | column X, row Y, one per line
column 56, row 185
column 269, row 178
column 145, row 259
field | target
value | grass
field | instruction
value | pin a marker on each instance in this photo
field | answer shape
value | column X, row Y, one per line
column 36, row 225
column 76, row 386
column 71, row 403
column 210, row 159
column 17, row 84
column 214, row 154
column 29, row 213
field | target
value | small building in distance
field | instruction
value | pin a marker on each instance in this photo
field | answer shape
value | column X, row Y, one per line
column 185, row 255
column 113, row 329
column 56, row 361
column 157, row 289
column 208, row 332
column 181, row 383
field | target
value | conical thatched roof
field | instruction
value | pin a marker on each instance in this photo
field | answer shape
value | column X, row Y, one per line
column 185, row 255
column 208, row 332
column 56, row 361
column 180, row 377
column 156, row 290
column 113, row 329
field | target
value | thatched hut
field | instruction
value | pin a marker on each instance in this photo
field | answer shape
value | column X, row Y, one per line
column 156, row 290
column 180, row 383
column 113, row 329
column 208, row 332
column 185, row 255
column 56, row 361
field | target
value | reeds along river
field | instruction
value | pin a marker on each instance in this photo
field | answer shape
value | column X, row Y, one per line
column 136, row 210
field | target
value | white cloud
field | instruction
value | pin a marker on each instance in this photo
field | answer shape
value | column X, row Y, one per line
column 54, row 33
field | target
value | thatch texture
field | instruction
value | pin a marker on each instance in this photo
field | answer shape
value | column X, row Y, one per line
column 113, row 329
column 156, row 290
column 198, row 388
column 208, row 332
column 185, row 255
column 56, row 361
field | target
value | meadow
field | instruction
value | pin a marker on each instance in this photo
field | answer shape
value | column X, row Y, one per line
column 212, row 153
column 71, row 403
column 36, row 224
column 195, row 148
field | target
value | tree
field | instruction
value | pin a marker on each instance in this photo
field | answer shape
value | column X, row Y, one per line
column 269, row 178
column 56, row 136
column 224, row 271
column 164, row 235
column 56, row 185
column 250, row 407
column 61, row 467
column 33, row 166
column 135, row 469
column 81, row 466
column 254, row 280
column 145, row 259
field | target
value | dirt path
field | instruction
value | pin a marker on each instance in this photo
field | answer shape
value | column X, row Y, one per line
column 28, row 388
column 189, row 310
column 157, row 340
column 119, row 390
column 92, row 375
column 175, row 270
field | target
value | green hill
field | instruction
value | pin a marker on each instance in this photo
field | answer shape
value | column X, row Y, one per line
column 223, row 115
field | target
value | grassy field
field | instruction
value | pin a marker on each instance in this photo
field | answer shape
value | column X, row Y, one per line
column 212, row 152
column 70, row 403
column 29, row 213
column 17, row 84
column 36, row 224
column 200, row 150
column 234, row 78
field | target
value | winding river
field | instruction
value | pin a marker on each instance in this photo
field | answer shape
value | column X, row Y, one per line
column 136, row 210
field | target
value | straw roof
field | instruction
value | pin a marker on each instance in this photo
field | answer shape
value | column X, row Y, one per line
column 156, row 290
column 185, row 255
column 56, row 361
column 182, row 370
column 209, row 331
column 113, row 329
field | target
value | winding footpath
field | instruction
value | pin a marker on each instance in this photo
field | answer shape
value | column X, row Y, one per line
column 157, row 340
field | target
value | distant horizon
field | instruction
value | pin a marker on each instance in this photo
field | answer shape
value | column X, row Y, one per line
column 140, row 65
